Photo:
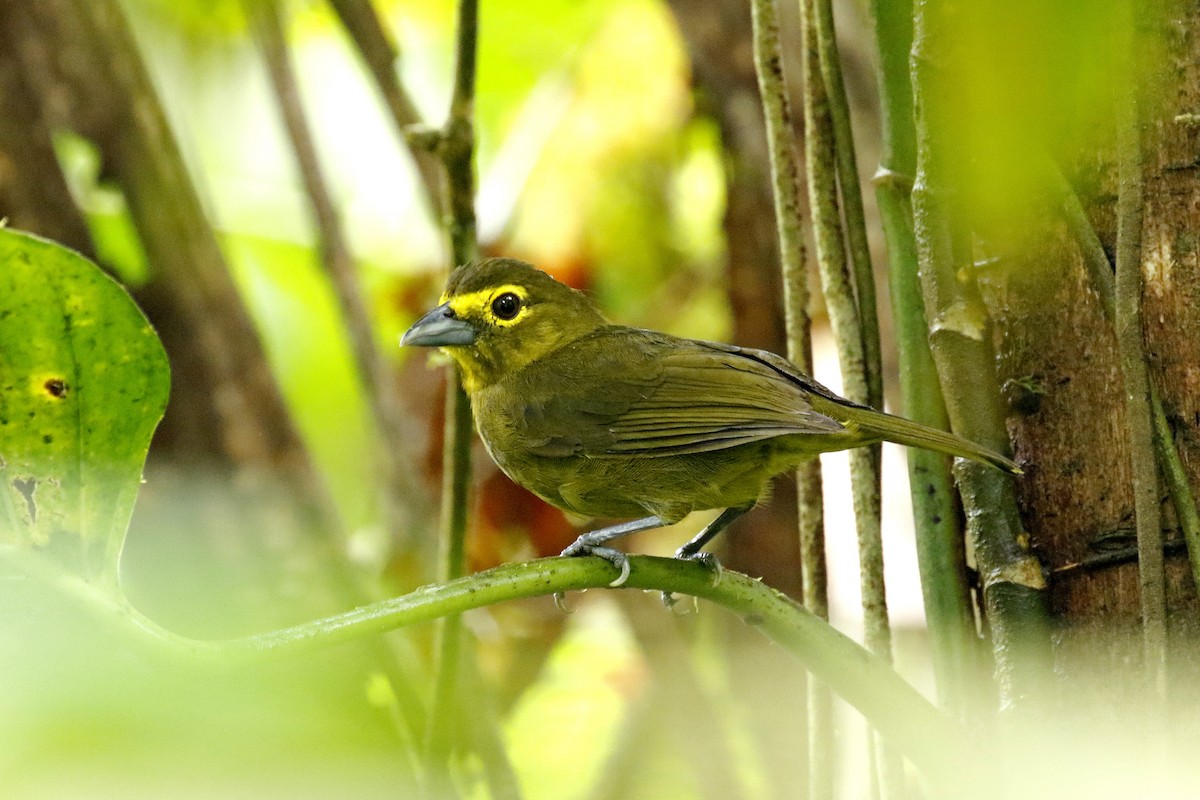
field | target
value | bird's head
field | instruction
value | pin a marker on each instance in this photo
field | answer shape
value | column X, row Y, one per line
column 498, row 315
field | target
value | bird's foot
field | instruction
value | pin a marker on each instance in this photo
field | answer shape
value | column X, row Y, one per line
column 707, row 559
column 585, row 547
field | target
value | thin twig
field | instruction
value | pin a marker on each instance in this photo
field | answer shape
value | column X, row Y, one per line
column 844, row 317
column 852, row 312
column 403, row 501
column 785, row 185
column 858, row 247
column 381, row 55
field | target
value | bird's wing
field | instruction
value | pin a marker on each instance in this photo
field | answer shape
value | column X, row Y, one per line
column 626, row 392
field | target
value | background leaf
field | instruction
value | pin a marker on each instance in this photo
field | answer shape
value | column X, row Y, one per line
column 83, row 383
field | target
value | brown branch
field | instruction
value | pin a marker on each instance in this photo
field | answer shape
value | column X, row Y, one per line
column 33, row 191
column 404, row 500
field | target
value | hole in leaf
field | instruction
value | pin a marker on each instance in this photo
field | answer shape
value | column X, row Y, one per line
column 26, row 487
column 56, row 387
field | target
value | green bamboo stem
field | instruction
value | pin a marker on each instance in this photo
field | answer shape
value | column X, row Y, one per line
column 1136, row 377
column 934, row 742
column 1012, row 580
column 941, row 553
column 785, row 185
column 456, row 149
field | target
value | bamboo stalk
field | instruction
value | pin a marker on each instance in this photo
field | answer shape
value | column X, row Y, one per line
column 1013, row 583
column 940, row 546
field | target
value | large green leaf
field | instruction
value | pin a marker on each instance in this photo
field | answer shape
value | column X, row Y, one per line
column 83, row 383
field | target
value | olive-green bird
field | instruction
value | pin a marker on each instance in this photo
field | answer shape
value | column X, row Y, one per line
column 608, row 421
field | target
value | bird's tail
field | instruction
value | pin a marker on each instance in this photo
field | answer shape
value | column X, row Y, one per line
column 914, row 434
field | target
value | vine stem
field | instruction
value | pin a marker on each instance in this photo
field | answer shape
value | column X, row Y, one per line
column 1100, row 273
column 1128, row 309
column 455, row 145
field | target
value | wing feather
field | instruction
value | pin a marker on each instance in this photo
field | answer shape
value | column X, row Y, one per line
column 627, row 392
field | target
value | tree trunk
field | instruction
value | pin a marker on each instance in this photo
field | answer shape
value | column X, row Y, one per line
column 1063, row 381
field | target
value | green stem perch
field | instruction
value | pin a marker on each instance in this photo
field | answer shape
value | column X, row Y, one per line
column 935, row 743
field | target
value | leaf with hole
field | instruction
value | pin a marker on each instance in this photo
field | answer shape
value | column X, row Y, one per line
column 83, row 384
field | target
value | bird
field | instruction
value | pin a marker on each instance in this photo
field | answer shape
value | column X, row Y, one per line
column 615, row 422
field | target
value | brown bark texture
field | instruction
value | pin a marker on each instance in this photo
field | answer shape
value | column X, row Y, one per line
column 1063, row 382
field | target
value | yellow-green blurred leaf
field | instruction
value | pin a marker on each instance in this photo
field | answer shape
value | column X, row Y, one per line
column 83, row 384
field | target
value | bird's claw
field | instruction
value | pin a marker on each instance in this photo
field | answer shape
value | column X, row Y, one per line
column 707, row 559
column 560, row 602
column 581, row 547
column 618, row 559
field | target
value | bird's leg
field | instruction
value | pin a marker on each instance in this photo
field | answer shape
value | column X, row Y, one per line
column 592, row 543
column 691, row 551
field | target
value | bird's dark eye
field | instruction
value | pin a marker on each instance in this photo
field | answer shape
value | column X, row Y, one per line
column 506, row 306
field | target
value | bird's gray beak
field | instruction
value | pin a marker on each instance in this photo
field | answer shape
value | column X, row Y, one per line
column 439, row 328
